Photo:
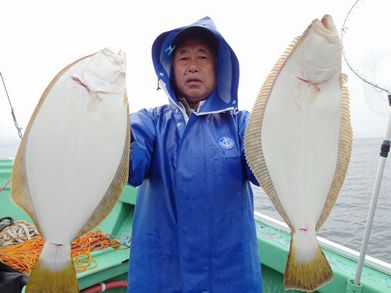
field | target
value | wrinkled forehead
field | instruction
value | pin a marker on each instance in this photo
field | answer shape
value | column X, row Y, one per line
column 196, row 44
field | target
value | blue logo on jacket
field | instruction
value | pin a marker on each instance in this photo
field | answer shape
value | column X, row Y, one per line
column 226, row 142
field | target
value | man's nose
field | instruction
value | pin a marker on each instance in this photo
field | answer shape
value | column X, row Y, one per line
column 192, row 67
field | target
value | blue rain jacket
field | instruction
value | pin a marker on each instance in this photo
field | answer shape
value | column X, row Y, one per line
column 193, row 228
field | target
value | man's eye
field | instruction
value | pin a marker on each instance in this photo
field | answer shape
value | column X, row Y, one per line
column 204, row 58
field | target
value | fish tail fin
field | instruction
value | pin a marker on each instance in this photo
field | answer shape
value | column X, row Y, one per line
column 307, row 268
column 54, row 271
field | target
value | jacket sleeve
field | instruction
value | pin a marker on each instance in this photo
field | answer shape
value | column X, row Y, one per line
column 141, row 146
column 244, row 116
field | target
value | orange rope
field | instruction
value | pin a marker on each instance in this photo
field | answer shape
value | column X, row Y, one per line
column 89, row 242
column 23, row 256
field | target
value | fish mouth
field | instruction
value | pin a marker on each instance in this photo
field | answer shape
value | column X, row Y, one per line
column 328, row 23
column 326, row 27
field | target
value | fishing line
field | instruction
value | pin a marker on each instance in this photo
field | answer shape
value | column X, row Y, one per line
column 5, row 185
column 367, row 51
column 356, row 72
column 354, row 68
column 19, row 129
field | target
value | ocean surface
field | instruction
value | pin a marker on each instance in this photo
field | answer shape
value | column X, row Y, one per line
column 346, row 222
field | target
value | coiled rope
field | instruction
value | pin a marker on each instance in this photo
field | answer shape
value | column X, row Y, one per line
column 23, row 256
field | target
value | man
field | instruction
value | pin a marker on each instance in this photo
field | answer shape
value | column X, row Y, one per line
column 193, row 228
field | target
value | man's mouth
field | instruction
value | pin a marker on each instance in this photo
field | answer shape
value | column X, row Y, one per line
column 193, row 80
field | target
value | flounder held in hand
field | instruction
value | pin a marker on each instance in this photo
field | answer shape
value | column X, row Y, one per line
column 72, row 163
column 298, row 144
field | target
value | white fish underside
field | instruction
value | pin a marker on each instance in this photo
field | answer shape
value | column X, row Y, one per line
column 300, row 135
column 298, row 144
column 72, row 163
column 72, row 156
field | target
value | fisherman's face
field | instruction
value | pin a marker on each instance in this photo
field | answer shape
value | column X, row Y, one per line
column 194, row 70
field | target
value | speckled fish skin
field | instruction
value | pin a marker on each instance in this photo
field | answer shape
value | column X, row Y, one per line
column 72, row 163
column 298, row 144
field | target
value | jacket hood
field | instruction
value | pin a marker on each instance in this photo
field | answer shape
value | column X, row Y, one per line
column 225, row 95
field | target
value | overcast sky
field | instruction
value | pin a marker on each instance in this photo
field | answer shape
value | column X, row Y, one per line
column 39, row 38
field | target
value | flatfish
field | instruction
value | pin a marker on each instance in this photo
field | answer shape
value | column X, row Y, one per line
column 72, row 163
column 298, row 144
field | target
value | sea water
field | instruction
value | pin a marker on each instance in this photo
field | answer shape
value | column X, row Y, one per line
column 346, row 222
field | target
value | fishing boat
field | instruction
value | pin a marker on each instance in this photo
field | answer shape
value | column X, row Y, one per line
column 111, row 265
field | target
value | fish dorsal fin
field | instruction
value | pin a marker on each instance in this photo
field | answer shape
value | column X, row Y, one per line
column 253, row 146
column 344, row 153
column 20, row 192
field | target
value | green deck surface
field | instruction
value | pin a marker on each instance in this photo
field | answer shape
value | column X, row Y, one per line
column 273, row 249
